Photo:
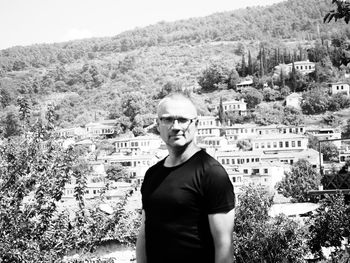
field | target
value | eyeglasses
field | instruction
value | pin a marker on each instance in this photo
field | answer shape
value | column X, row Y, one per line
column 181, row 121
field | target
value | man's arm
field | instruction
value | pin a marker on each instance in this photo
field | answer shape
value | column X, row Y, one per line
column 141, row 242
column 221, row 227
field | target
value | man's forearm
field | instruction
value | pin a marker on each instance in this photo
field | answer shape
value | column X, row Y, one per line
column 141, row 247
column 223, row 253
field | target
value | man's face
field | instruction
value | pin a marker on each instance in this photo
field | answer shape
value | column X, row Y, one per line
column 177, row 122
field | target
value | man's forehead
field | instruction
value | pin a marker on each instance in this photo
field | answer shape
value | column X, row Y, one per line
column 178, row 108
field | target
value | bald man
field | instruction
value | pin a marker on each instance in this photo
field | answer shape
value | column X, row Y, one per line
column 187, row 198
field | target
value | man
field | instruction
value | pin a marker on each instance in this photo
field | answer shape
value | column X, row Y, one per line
column 187, row 198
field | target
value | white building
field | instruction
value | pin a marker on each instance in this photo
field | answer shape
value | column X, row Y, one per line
column 94, row 129
column 136, row 164
column 248, row 83
column 216, row 142
column 312, row 156
column 240, row 131
column 208, row 126
column 294, row 100
column 305, row 67
column 325, row 134
column 280, row 143
column 339, row 87
column 137, row 144
column 75, row 132
column 237, row 106
column 247, row 131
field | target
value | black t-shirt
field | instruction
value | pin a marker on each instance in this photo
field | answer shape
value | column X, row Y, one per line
column 177, row 201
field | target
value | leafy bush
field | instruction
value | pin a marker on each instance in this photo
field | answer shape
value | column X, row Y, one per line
column 260, row 238
column 302, row 178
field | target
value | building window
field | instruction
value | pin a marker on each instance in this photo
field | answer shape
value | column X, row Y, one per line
column 266, row 171
column 281, row 144
column 299, row 143
column 268, row 145
column 262, row 145
column 287, row 144
column 293, row 143
column 245, row 171
column 255, row 171
column 274, row 144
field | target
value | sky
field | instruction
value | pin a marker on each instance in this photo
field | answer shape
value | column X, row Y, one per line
column 26, row 22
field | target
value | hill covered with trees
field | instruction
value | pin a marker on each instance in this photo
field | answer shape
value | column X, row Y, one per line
column 123, row 76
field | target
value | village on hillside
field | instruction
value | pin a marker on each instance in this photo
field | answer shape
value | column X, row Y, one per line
column 251, row 153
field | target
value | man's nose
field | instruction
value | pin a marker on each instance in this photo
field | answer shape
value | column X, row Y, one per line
column 176, row 125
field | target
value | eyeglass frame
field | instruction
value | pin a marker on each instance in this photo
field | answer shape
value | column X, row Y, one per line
column 176, row 118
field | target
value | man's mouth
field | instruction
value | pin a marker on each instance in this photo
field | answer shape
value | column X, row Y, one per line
column 176, row 135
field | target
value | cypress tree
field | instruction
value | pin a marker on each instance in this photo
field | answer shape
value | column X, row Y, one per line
column 250, row 65
column 244, row 67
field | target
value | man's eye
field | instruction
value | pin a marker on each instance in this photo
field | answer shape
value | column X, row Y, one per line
column 182, row 120
column 168, row 119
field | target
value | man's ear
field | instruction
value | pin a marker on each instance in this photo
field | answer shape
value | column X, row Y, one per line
column 158, row 125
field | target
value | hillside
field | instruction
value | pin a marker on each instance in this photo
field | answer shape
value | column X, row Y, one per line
column 98, row 78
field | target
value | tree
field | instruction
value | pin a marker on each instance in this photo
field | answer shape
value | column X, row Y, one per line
column 222, row 114
column 260, row 238
column 250, row 64
column 330, row 224
column 292, row 116
column 315, row 101
column 212, row 76
column 266, row 114
column 33, row 227
column 342, row 11
column 169, row 87
column 329, row 151
column 252, row 97
column 117, row 172
column 302, row 178
column 244, row 145
column 338, row 101
column 9, row 123
column 346, row 130
column 233, row 79
column 134, row 103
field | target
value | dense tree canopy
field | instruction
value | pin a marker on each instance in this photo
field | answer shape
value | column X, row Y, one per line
column 302, row 178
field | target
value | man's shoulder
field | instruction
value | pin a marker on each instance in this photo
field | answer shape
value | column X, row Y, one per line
column 207, row 158
column 156, row 166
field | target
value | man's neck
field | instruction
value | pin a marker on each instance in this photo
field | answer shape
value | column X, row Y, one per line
column 178, row 156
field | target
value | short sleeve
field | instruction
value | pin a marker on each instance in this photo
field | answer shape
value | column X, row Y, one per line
column 218, row 190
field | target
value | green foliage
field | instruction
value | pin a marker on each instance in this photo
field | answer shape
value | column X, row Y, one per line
column 301, row 179
column 34, row 227
column 329, row 152
column 346, row 130
column 341, row 12
column 212, row 76
column 339, row 101
column 292, row 116
column 259, row 238
column 329, row 224
column 252, row 97
column 266, row 114
column 244, row 145
column 9, row 123
column 116, row 172
column 315, row 101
